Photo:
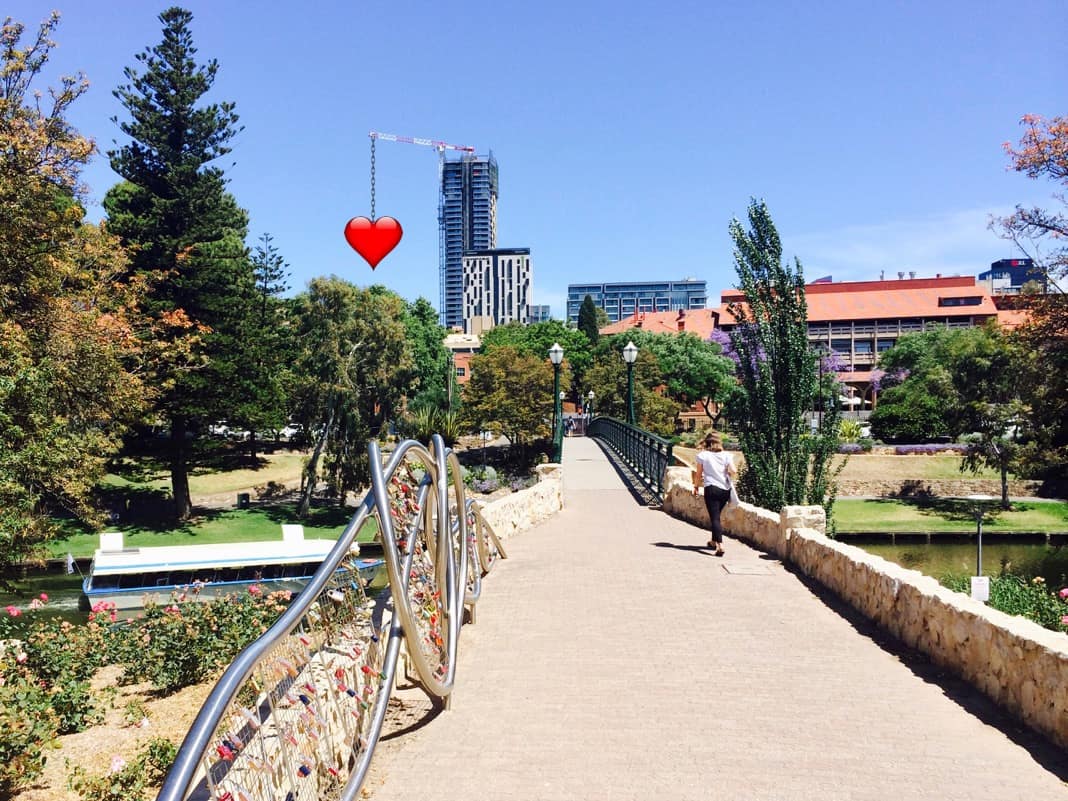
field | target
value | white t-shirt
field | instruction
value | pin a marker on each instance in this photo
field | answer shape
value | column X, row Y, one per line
column 714, row 468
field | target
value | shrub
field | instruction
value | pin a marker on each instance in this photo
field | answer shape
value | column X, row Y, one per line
column 185, row 642
column 929, row 449
column 848, row 431
column 866, row 444
column 126, row 780
column 850, row 447
column 1018, row 596
column 28, row 725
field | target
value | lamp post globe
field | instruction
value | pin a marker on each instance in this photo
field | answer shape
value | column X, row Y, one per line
column 556, row 356
column 589, row 404
column 630, row 355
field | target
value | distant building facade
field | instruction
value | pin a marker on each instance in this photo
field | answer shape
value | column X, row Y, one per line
column 496, row 287
column 539, row 313
column 469, row 190
column 621, row 300
column 859, row 320
column 1007, row 276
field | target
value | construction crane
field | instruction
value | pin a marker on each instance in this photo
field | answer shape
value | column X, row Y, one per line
column 441, row 147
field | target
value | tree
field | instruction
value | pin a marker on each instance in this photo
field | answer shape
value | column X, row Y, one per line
column 1043, row 153
column 960, row 381
column 185, row 232
column 511, row 391
column 691, row 369
column 537, row 338
column 353, row 353
column 69, row 346
column 263, row 349
column 587, row 320
column 431, row 363
column 777, row 376
column 607, row 377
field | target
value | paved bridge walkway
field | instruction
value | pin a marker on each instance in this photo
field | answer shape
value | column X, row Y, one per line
column 615, row 658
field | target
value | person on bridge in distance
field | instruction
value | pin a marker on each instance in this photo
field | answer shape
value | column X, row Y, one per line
column 715, row 471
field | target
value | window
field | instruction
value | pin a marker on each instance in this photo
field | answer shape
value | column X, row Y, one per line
column 972, row 300
column 461, row 372
column 862, row 346
column 840, row 345
column 883, row 345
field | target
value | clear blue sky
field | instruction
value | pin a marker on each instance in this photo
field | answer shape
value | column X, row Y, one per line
column 628, row 134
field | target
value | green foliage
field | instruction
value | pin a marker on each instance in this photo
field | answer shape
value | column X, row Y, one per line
column 185, row 232
column 131, row 780
column 28, row 725
column 353, row 366
column 512, row 392
column 184, row 643
column 778, row 378
column 608, row 379
column 587, row 320
column 1017, row 596
column 422, row 423
column 536, row 339
column 848, row 431
column 68, row 326
column 958, row 381
column 431, row 363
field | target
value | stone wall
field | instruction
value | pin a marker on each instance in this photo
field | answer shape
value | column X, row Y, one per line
column 943, row 488
column 1020, row 665
column 522, row 510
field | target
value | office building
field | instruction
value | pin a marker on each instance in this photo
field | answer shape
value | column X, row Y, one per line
column 496, row 288
column 621, row 300
column 1008, row 276
column 469, row 188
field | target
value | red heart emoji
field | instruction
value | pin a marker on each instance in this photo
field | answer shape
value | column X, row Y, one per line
column 373, row 239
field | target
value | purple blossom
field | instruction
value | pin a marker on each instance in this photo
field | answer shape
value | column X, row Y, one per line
column 929, row 448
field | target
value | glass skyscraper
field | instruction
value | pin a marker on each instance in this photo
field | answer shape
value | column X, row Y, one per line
column 469, row 187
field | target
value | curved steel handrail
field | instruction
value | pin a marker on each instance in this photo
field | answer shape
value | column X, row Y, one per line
column 303, row 706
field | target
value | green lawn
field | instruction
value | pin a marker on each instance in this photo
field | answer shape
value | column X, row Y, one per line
column 228, row 525
column 280, row 466
column 946, row 515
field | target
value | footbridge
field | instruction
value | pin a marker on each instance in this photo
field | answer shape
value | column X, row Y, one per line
column 613, row 656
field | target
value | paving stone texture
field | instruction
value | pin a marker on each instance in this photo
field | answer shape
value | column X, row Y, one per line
column 615, row 658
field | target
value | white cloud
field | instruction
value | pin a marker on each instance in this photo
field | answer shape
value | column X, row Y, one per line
column 953, row 243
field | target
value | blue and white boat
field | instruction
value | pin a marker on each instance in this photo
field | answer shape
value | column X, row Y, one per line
column 132, row 577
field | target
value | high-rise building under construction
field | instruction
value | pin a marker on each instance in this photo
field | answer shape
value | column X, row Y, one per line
column 469, row 188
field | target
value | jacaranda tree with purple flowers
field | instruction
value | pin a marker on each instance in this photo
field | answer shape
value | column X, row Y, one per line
column 778, row 376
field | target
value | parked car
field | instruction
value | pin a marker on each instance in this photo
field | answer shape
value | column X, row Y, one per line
column 291, row 431
column 220, row 428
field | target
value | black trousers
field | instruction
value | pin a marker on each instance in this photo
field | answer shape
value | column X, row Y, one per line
column 715, row 500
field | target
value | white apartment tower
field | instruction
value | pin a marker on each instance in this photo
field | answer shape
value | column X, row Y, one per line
column 496, row 287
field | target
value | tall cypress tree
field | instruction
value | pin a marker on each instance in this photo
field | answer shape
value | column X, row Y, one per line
column 779, row 379
column 587, row 319
column 187, row 233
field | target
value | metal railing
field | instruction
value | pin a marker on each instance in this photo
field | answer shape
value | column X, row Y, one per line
column 646, row 454
column 298, row 714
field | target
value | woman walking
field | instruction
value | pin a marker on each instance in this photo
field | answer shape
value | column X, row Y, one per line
column 715, row 471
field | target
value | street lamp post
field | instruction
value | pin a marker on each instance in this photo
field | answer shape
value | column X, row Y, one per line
column 589, row 405
column 556, row 356
column 630, row 354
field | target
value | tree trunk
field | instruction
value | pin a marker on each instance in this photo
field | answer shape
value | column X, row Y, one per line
column 1005, row 484
column 183, row 505
column 313, row 466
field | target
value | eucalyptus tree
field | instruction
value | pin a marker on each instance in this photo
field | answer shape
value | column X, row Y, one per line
column 777, row 376
column 352, row 354
column 70, row 332
column 184, row 231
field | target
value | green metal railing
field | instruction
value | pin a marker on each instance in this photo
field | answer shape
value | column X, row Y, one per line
column 646, row 454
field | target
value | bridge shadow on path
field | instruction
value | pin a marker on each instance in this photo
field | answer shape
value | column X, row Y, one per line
column 631, row 480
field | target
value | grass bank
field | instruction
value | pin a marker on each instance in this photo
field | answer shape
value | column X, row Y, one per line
column 946, row 515
column 225, row 525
